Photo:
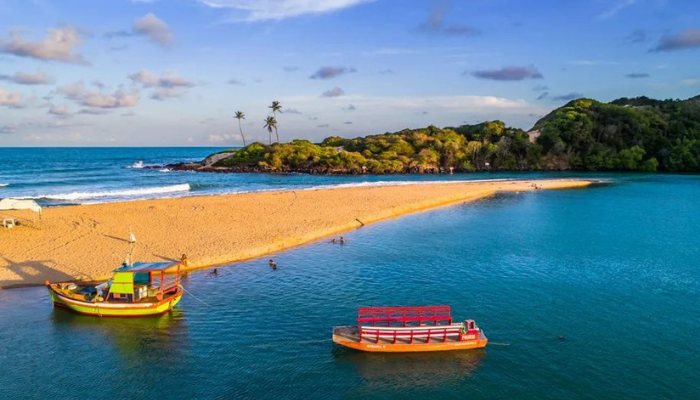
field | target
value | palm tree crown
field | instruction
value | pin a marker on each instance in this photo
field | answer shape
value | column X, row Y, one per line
column 270, row 124
column 275, row 107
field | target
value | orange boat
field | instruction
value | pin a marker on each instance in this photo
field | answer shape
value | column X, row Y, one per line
column 409, row 329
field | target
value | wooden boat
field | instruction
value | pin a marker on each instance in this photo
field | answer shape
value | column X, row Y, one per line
column 409, row 329
column 140, row 289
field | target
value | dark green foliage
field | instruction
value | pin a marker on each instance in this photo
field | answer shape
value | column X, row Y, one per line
column 625, row 135
column 639, row 134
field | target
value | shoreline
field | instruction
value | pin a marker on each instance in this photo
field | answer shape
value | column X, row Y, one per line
column 86, row 242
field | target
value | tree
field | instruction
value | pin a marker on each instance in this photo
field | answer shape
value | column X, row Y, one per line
column 239, row 116
column 276, row 107
column 270, row 124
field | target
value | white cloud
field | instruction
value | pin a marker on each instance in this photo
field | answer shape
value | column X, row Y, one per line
column 99, row 99
column 168, row 79
column 154, row 28
column 38, row 78
column 73, row 91
column 335, row 92
column 163, row 93
column 116, row 100
column 57, row 46
column 60, row 111
column 144, row 77
column 10, row 99
column 168, row 85
column 275, row 10
column 379, row 114
column 24, row 78
column 221, row 138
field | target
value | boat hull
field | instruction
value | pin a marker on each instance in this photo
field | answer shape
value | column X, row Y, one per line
column 347, row 336
column 112, row 309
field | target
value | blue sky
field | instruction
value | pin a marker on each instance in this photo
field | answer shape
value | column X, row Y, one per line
column 173, row 72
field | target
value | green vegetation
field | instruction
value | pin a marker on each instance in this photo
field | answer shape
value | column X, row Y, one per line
column 625, row 135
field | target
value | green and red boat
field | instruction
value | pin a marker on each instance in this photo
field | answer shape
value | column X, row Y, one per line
column 136, row 290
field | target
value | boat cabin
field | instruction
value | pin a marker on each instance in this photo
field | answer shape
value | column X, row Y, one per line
column 142, row 280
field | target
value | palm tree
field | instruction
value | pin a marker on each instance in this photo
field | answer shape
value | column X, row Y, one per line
column 270, row 123
column 276, row 107
column 239, row 116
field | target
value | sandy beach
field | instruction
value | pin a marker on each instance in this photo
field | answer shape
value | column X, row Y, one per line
column 88, row 241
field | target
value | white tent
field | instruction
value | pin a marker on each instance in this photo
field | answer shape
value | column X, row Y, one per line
column 17, row 204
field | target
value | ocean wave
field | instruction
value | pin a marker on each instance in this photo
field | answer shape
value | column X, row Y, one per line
column 185, row 187
column 4, row 184
column 140, row 165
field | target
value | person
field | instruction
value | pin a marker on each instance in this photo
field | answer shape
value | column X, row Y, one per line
column 333, row 240
column 273, row 264
column 215, row 272
column 342, row 240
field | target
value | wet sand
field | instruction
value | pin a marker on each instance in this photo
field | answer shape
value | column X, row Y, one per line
column 86, row 242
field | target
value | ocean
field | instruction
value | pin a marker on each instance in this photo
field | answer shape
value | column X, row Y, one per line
column 65, row 176
column 583, row 293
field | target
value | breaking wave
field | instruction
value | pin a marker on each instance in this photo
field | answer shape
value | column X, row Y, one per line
column 185, row 187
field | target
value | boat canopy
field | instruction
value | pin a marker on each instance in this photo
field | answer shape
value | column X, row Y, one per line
column 129, row 279
column 147, row 267
column 19, row 204
column 404, row 316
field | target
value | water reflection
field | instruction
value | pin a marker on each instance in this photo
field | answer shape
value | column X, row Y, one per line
column 410, row 370
column 136, row 340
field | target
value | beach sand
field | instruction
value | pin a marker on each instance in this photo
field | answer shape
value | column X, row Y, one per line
column 88, row 241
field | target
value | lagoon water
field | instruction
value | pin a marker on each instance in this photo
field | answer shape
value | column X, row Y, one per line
column 614, row 270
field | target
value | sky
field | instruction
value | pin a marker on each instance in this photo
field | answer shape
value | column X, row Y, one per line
column 174, row 72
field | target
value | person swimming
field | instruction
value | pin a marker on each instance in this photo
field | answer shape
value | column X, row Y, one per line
column 215, row 272
column 273, row 264
column 342, row 240
column 333, row 240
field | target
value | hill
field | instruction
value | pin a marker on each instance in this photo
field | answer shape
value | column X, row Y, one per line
column 638, row 134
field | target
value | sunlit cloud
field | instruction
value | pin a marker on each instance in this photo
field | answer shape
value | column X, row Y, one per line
column 58, row 45
column 275, row 10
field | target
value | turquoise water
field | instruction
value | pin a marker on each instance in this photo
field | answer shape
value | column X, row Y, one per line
column 612, row 269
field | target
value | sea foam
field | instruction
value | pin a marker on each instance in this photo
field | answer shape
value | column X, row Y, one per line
column 115, row 193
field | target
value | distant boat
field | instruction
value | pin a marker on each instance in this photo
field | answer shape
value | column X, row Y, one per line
column 141, row 289
column 409, row 329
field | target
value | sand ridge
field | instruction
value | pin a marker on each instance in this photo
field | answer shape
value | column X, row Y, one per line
column 86, row 242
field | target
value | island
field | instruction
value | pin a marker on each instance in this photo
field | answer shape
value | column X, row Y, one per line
column 627, row 134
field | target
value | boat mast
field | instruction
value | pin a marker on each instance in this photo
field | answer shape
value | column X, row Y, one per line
column 132, row 246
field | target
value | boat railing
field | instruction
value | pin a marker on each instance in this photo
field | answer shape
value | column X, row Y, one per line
column 413, row 332
column 405, row 316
